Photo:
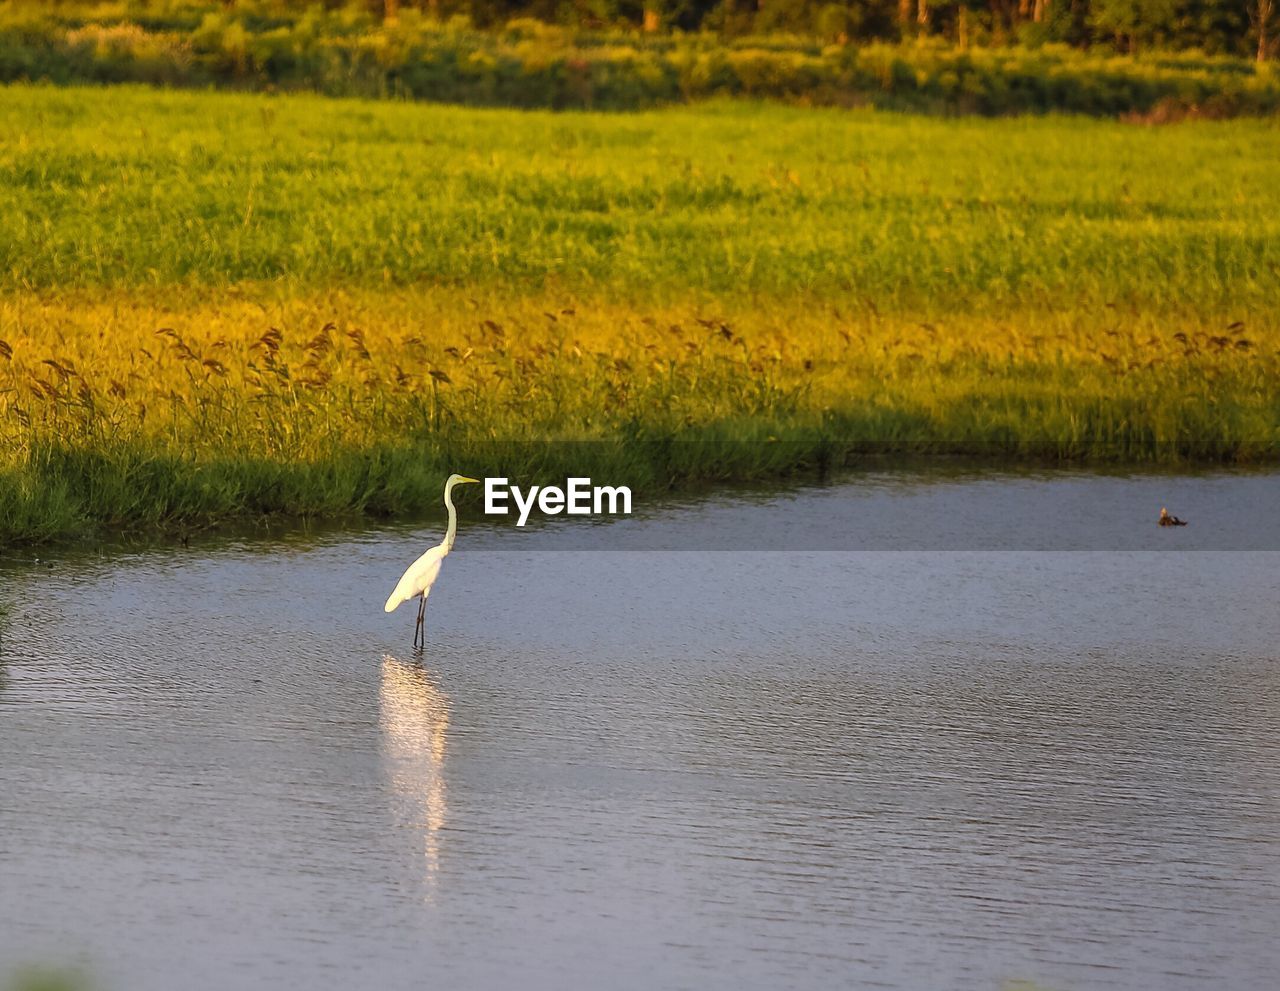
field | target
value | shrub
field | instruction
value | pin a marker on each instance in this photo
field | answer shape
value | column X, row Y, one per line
column 532, row 64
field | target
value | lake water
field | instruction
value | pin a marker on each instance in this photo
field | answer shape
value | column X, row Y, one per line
column 967, row 731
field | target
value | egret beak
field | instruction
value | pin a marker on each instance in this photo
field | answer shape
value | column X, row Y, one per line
column 474, row 481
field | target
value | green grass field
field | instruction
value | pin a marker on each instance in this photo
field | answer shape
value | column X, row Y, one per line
column 127, row 188
column 214, row 305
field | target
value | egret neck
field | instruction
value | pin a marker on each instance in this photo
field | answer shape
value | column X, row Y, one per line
column 452, row 530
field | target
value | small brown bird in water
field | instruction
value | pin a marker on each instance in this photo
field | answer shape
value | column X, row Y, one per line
column 1167, row 520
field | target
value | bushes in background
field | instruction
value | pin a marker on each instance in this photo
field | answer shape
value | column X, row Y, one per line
column 530, row 64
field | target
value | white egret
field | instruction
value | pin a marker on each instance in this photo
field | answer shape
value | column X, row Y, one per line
column 423, row 572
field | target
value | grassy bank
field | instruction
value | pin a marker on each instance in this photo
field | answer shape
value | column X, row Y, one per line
column 341, row 402
column 347, row 52
column 224, row 305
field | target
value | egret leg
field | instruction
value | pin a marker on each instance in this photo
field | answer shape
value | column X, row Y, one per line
column 419, row 633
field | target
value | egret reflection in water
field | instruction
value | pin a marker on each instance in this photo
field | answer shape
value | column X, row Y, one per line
column 415, row 726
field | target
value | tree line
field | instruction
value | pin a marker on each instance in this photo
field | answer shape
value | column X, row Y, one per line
column 1238, row 27
column 1216, row 27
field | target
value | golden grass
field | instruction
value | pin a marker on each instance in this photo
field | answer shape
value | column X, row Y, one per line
column 236, row 373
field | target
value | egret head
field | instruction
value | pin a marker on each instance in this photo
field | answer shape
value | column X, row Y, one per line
column 456, row 479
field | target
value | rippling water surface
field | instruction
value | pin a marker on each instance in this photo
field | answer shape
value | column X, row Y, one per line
column 222, row 766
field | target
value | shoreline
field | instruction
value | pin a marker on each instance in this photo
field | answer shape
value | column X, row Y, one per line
column 819, row 464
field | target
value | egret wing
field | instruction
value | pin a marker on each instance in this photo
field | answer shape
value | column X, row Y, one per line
column 418, row 579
